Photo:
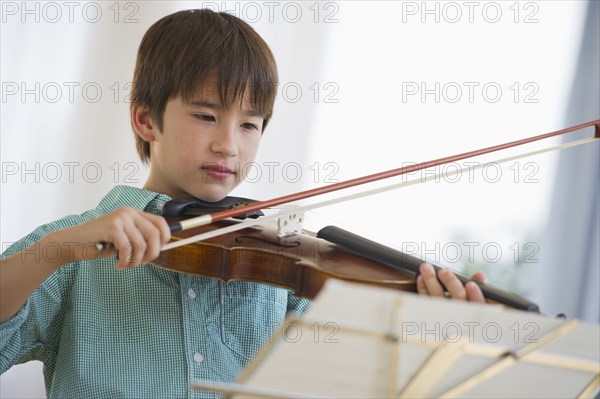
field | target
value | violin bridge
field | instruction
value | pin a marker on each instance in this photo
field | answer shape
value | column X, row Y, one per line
column 291, row 223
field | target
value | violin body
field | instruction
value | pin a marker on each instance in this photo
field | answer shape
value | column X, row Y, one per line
column 300, row 263
column 281, row 254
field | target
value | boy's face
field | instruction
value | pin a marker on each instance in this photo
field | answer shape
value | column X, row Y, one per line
column 204, row 149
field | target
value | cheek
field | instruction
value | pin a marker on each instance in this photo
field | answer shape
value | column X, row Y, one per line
column 188, row 148
column 250, row 148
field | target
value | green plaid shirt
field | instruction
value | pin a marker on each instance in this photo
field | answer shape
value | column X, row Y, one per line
column 140, row 333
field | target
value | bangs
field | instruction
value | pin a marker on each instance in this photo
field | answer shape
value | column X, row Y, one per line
column 234, row 55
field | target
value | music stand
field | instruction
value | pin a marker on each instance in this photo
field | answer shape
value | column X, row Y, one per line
column 358, row 341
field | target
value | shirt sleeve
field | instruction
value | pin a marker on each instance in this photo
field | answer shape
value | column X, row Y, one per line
column 9, row 338
column 33, row 333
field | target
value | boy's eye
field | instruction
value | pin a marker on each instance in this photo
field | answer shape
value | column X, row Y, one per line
column 250, row 126
column 204, row 117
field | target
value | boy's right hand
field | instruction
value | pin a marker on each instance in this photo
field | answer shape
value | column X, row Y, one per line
column 137, row 236
column 134, row 235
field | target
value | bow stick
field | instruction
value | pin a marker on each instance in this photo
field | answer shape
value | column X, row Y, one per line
column 217, row 216
column 295, row 210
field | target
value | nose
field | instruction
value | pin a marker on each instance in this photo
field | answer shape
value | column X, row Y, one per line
column 224, row 141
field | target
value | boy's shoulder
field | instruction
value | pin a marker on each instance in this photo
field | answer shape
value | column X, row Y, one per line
column 134, row 197
column 118, row 197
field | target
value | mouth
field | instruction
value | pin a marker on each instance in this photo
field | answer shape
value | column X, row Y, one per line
column 219, row 172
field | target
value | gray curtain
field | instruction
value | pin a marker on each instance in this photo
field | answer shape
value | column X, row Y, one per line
column 570, row 273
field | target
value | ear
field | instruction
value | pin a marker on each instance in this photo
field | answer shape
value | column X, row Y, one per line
column 142, row 123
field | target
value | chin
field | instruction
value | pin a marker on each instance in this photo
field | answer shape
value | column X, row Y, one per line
column 211, row 196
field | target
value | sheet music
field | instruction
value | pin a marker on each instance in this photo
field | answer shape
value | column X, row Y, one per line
column 362, row 342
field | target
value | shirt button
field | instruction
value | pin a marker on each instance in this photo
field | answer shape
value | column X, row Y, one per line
column 198, row 358
column 191, row 293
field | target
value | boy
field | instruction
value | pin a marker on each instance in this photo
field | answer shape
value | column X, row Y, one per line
column 203, row 92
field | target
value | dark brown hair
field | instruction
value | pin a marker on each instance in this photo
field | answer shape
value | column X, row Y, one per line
column 180, row 50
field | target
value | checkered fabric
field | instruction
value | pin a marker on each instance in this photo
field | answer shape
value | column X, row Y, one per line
column 145, row 332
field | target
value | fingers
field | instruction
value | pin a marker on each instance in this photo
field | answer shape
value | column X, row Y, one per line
column 455, row 288
column 136, row 235
column 474, row 293
column 439, row 284
column 421, row 287
column 149, row 234
column 131, row 252
column 446, row 284
column 430, row 280
column 479, row 276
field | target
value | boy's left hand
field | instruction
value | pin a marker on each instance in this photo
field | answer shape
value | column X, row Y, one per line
column 446, row 282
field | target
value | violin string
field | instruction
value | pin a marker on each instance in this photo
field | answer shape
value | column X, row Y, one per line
column 298, row 209
column 340, row 185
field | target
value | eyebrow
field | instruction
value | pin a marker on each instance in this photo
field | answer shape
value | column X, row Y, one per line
column 208, row 104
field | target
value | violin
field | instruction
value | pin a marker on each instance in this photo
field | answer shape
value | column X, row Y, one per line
column 300, row 262
column 297, row 260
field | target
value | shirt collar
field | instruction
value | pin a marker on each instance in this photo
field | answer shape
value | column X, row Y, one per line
column 138, row 198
